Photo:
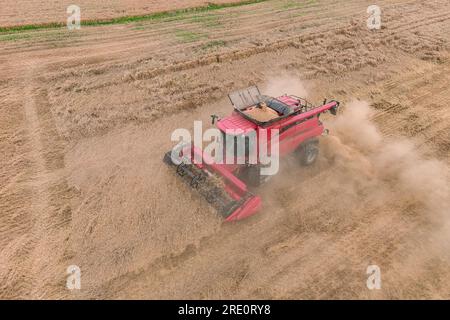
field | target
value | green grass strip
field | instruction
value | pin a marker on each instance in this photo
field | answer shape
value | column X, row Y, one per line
column 130, row 19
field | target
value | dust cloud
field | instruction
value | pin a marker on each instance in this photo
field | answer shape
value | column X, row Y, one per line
column 393, row 160
column 365, row 162
column 393, row 164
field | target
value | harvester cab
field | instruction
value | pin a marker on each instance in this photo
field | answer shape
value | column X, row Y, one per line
column 257, row 123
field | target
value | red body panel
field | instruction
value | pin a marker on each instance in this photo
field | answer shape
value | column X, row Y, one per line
column 249, row 208
column 234, row 122
column 300, row 127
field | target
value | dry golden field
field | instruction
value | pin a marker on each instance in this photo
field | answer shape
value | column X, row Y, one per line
column 86, row 117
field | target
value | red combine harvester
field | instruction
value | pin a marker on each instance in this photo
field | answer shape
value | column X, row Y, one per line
column 226, row 186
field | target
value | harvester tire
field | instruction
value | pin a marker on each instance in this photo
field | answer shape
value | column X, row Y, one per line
column 309, row 152
column 254, row 176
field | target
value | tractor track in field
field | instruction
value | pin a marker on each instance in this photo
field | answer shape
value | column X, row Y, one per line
column 85, row 130
column 40, row 187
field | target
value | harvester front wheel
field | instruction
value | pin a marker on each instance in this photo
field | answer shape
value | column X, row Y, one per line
column 309, row 152
column 254, row 177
